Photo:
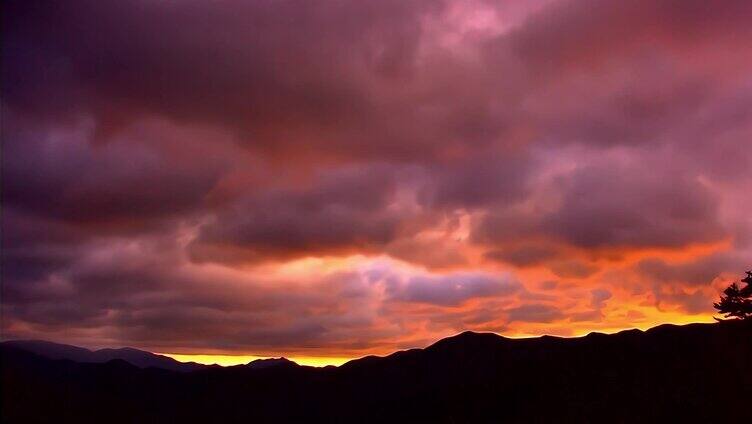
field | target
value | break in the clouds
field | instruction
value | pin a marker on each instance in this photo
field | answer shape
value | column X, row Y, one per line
column 341, row 178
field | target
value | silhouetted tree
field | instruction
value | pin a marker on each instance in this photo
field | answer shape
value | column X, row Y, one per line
column 736, row 302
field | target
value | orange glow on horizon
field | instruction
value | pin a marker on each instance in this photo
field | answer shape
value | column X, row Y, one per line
column 230, row 360
column 562, row 329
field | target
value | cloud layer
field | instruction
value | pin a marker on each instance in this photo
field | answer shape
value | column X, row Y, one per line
column 354, row 177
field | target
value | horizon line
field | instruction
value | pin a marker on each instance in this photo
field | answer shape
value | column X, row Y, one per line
column 228, row 360
column 319, row 361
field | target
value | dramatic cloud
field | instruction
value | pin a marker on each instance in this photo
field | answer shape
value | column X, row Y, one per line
column 635, row 206
column 351, row 209
column 343, row 178
column 454, row 289
column 127, row 182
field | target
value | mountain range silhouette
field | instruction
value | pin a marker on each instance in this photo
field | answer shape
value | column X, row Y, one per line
column 139, row 358
column 690, row 373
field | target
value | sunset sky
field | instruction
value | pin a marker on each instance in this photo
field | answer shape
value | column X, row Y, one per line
column 332, row 179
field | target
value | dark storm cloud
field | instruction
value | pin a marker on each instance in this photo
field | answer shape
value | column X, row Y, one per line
column 478, row 181
column 635, row 206
column 524, row 255
column 345, row 210
column 455, row 289
column 281, row 74
column 56, row 174
column 644, row 204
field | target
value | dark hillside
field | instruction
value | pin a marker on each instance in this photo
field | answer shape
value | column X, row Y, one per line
column 693, row 373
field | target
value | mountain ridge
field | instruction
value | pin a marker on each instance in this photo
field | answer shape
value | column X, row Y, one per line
column 688, row 373
column 136, row 357
column 142, row 358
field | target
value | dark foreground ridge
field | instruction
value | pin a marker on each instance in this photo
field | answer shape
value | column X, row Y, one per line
column 692, row 373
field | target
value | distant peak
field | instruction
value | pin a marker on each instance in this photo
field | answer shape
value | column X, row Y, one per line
column 468, row 338
column 270, row 362
column 475, row 335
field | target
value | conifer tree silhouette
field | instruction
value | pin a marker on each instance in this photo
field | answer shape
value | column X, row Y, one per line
column 736, row 302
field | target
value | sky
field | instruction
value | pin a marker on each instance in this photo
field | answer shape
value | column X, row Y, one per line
column 342, row 178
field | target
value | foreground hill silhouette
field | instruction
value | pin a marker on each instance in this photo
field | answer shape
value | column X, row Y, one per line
column 692, row 373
